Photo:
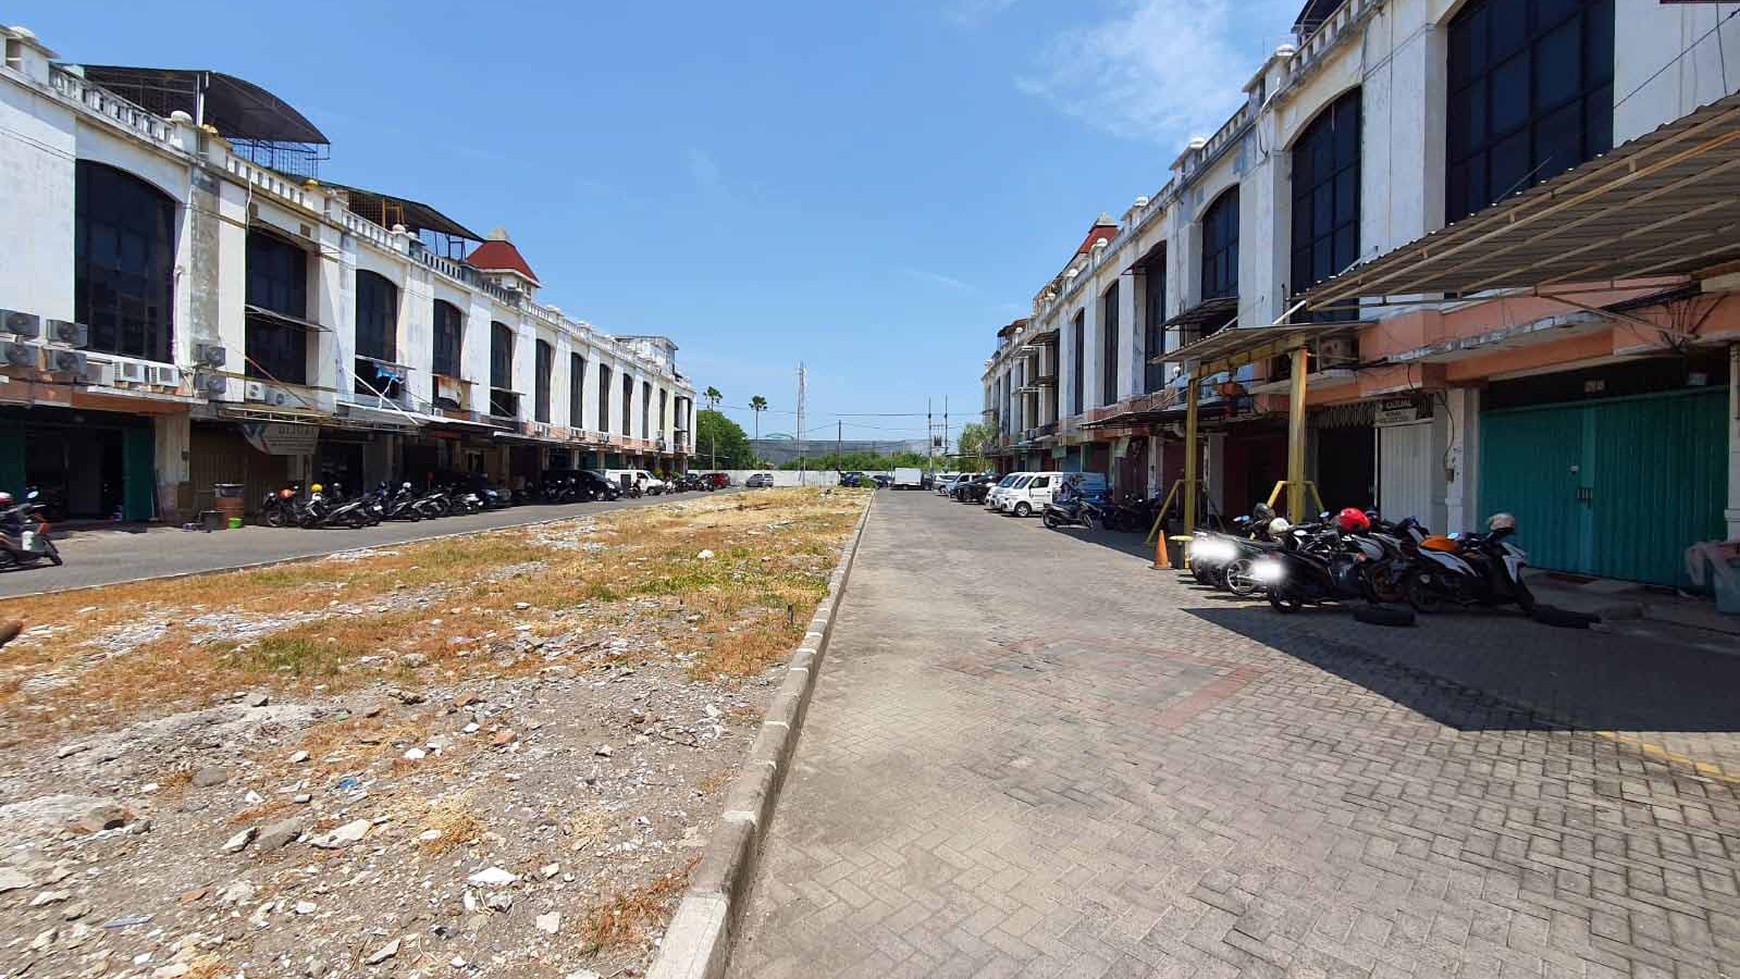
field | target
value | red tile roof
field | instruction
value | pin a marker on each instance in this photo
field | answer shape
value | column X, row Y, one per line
column 1099, row 232
column 500, row 255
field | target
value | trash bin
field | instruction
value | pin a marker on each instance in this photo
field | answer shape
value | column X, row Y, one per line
column 227, row 499
column 1727, row 587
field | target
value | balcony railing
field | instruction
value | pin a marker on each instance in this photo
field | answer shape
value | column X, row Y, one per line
column 1324, row 39
column 106, row 103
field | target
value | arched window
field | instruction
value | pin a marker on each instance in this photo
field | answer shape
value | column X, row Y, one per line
column 1530, row 96
column 603, row 398
column 377, row 335
column 124, row 261
column 1326, row 195
column 449, row 337
column 627, row 404
column 546, row 364
column 1220, row 247
column 576, row 391
column 1109, row 345
column 1078, row 397
column 277, row 324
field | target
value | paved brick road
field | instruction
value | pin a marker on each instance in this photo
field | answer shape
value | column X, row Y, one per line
column 1030, row 756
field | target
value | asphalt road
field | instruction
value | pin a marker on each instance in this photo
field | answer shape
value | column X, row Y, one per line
column 105, row 556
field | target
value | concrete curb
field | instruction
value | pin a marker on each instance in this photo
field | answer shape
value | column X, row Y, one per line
column 697, row 945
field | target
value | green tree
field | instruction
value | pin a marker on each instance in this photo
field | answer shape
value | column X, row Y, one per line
column 721, row 441
column 713, row 396
column 973, row 439
column 758, row 404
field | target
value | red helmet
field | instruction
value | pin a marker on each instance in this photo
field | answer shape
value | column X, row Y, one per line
column 1353, row 521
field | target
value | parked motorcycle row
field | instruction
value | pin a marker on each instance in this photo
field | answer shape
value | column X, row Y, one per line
column 328, row 505
column 1354, row 556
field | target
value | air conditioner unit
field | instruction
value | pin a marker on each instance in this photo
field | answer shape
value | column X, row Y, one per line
column 129, row 371
column 1338, row 352
column 209, row 354
column 165, row 376
column 253, row 391
column 58, row 361
column 17, row 354
column 277, row 397
column 211, row 385
column 100, row 372
column 67, row 332
column 20, row 323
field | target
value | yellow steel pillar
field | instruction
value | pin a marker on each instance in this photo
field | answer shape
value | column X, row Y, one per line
column 1190, row 477
column 1296, row 437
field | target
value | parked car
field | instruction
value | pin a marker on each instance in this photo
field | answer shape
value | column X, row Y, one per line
column 883, row 480
column 995, row 496
column 628, row 478
column 759, row 480
column 973, row 490
column 946, row 483
column 1029, row 496
column 908, row 477
column 853, row 478
column 719, row 480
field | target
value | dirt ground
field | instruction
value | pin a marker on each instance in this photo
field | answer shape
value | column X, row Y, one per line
column 496, row 755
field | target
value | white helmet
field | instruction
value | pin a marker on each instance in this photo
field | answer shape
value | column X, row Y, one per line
column 1279, row 526
column 1501, row 521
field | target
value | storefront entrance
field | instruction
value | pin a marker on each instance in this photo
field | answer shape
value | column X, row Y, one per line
column 87, row 465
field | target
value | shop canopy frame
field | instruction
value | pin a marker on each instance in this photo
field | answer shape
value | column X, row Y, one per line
column 1664, row 204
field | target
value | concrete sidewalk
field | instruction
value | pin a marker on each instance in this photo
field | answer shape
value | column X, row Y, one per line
column 105, row 557
column 1031, row 755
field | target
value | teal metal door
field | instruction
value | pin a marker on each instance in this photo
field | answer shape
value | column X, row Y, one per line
column 1614, row 488
column 138, row 474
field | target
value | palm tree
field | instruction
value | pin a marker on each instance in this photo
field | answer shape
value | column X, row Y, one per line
column 758, row 404
column 713, row 397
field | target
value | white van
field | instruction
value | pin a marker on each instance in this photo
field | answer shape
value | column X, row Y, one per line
column 1031, row 498
column 649, row 484
column 994, row 498
column 1028, row 497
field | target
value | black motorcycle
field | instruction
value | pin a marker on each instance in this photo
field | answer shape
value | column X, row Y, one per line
column 1325, row 566
column 24, row 539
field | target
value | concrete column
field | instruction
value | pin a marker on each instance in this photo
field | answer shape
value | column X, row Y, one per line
column 1733, row 512
column 1214, row 469
column 1461, row 461
column 1092, row 344
column 172, row 441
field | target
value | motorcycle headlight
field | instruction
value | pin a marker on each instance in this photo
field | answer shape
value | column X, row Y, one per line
column 1210, row 549
column 1268, row 570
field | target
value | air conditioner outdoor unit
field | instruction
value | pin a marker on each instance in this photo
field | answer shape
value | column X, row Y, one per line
column 253, row 391
column 100, row 373
column 211, row 385
column 163, row 375
column 57, row 361
column 21, row 323
column 17, row 354
column 129, row 371
column 209, row 354
column 67, row 332
column 277, row 397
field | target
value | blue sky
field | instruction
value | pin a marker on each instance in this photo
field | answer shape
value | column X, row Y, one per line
column 870, row 188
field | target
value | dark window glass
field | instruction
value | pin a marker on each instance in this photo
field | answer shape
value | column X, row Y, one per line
column 627, row 404
column 603, row 397
column 576, row 391
column 1530, row 96
column 1109, row 349
column 1153, row 374
column 377, row 328
column 449, row 338
column 646, row 409
column 545, row 356
column 501, row 356
column 277, row 280
column 1220, row 247
column 662, row 398
column 1326, row 199
column 1078, row 397
column 124, row 260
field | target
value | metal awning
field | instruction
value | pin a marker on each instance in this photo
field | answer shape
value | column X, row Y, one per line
column 236, row 107
column 1666, row 203
column 387, row 210
column 379, row 417
column 1237, row 347
column 288, row 416
column 278, row 317
column 1220, row 312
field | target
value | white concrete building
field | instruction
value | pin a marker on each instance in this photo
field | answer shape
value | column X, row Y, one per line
column 1388, row 121
column 186, row 304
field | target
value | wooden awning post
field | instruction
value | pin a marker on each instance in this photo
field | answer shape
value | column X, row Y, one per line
column 1190, row 449
column 1296, row 437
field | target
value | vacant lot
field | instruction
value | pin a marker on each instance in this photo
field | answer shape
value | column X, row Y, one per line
column 489, row 755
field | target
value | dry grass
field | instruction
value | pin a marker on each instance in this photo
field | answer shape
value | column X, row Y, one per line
column 621, row 920
column 456, row 819
column 452, row 601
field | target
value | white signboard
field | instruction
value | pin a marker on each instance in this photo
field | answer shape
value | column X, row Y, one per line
column 278, row 439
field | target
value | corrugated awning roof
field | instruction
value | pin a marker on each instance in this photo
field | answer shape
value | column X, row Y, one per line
column 1667, row 203
column 1243, row 345
column 236, row 107
column 1220, row 312
column 387, row 210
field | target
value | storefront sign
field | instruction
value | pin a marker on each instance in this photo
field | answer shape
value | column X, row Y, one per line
column 278, row 439
column 1398, row 412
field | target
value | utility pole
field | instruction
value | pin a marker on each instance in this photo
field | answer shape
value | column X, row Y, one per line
column 800, row 420
column 929, row 436
column 839, row 426
column 945, row 432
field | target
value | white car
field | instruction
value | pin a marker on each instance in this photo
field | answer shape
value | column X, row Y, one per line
column 994, row 498
column 946, row 482
column 1029, row 495
column 649, row 484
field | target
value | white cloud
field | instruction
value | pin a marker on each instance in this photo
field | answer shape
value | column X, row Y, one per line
column 939, row 279
column 1160, row 70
